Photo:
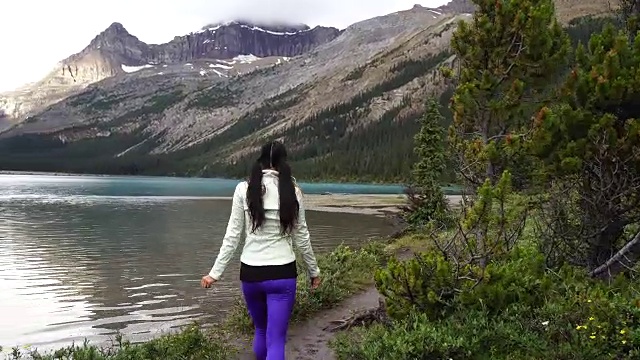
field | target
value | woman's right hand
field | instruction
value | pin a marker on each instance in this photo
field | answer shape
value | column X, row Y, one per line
column 315, row 283
column 207, row 281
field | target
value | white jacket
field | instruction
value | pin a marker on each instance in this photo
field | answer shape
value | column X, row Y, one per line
column 267, row 246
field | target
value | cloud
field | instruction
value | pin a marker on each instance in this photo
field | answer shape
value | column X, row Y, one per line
column 38, row 33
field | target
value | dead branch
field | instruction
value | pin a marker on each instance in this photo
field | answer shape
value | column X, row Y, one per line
column 365, row 317
column 621, row 261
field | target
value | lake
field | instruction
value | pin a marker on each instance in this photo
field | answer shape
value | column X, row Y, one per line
column 90, row 256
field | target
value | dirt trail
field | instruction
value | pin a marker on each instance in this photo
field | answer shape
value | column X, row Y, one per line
column 308, row 340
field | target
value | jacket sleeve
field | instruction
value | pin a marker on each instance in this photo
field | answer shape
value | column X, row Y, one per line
column 232, row 235
column 303, row 241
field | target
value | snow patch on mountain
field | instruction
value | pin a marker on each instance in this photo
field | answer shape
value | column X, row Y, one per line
column 219, row 73
column 132, row 69
column 256, row 28
column 246, row 59
column 220, row 66
column 212, row 29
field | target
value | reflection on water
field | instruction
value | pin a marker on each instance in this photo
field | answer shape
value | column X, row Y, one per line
column 75, row 267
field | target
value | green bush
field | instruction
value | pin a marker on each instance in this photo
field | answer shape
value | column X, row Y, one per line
column 345, row 271
column 189, row 344
column 518, row 280
column 518, row 311
column 425, row 283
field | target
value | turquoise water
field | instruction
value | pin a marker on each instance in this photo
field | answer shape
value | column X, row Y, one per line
column 80, row 185
column 90, row 256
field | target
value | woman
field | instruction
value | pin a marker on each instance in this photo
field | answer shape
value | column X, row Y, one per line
column 269, row 208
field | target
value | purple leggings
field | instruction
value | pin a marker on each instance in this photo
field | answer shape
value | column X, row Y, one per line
column 270, row 304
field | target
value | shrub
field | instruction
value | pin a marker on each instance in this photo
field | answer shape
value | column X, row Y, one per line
column 518, row 311
column 467, row 335
column 488, row 229
column 519, row 280
column 426, row 283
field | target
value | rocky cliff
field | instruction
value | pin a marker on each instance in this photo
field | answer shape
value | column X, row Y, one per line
column 115, row 47
column 231, row 39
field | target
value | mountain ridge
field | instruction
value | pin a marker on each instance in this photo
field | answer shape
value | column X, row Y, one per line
column 193, row 46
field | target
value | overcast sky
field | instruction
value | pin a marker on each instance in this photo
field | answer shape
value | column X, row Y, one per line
column 35, row 34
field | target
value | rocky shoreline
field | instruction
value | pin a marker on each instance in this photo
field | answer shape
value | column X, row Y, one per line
column 366, row 204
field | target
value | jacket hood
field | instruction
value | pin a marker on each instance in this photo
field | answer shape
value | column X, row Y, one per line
column 271, row 197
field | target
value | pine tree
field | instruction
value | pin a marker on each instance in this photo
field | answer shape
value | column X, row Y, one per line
column 508, row 54
column 590, row 147
column 426, row 199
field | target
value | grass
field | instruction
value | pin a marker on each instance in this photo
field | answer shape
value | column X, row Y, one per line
column 411, row 243
column 345, row 271
column 191, row 343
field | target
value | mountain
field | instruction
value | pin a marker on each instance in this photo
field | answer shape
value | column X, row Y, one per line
column 115, row 52
column 346, row 108
column 115, row 47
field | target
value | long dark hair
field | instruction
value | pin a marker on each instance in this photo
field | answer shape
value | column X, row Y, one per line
column 273, row 156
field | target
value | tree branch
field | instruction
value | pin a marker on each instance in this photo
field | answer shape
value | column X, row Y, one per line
column 621, row 261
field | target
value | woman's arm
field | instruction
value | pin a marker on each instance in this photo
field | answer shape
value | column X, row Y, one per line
column 303, row 241
column 233, row 234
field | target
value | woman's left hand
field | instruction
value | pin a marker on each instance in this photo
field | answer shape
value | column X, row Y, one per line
column 315, row 283
column 207, row 281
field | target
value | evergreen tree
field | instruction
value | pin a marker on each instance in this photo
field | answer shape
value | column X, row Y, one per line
column 507, row 54
column 590, row 147
column 426, row 199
